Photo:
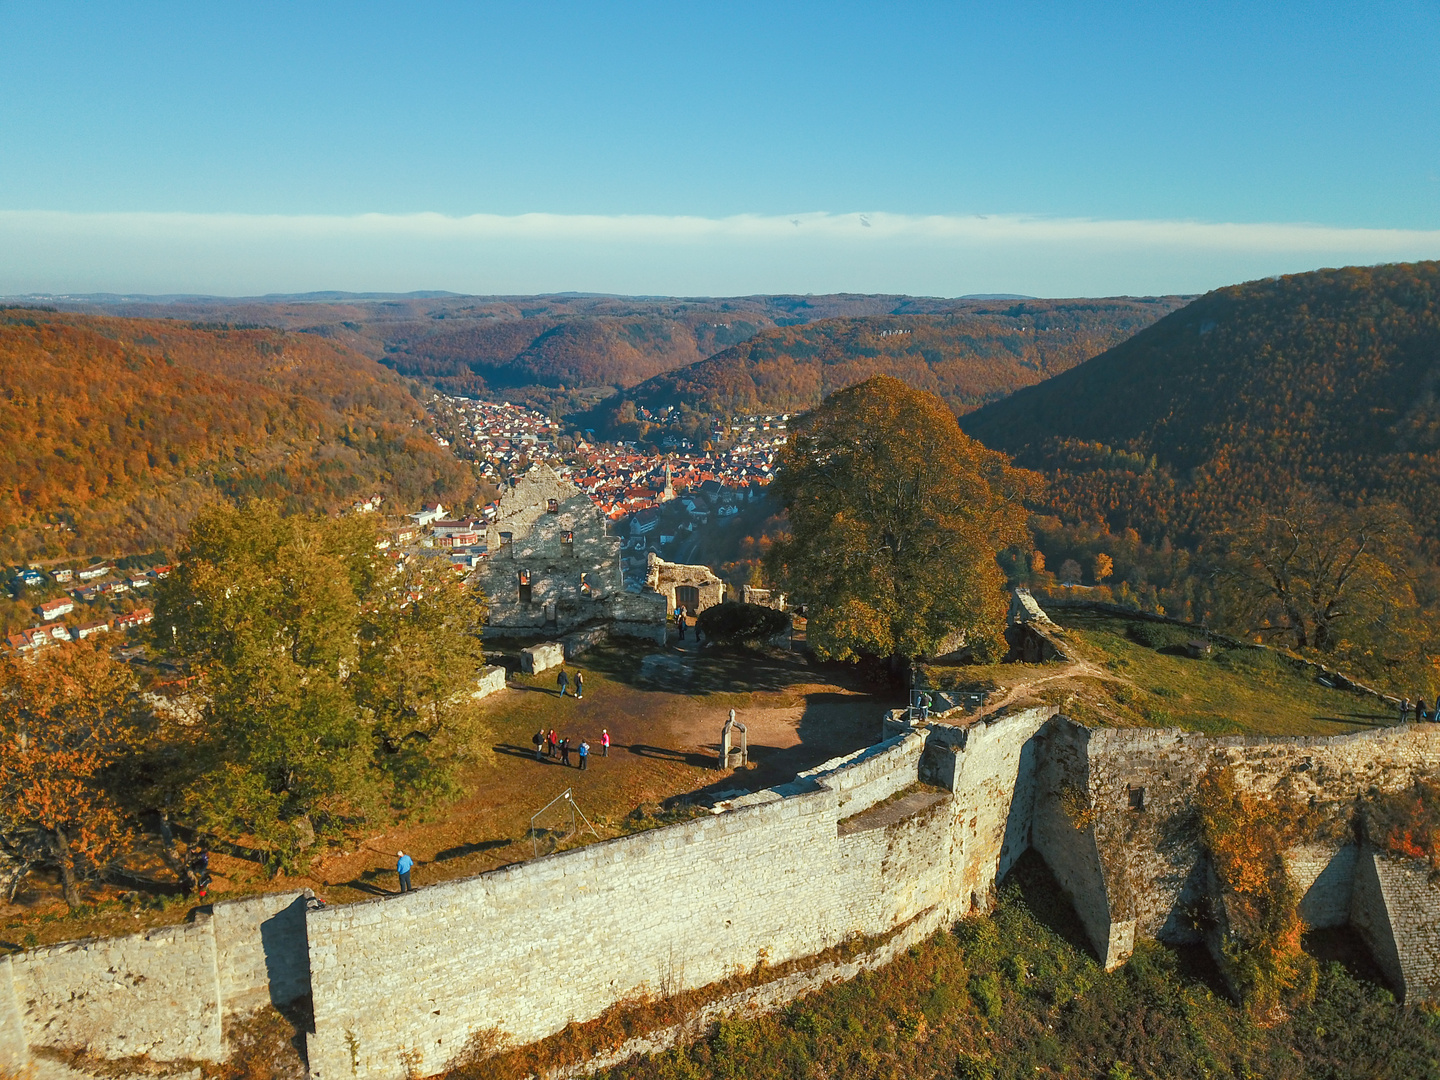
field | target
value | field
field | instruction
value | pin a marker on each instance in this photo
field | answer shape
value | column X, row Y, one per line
column 1130, row 673
column 664, row 709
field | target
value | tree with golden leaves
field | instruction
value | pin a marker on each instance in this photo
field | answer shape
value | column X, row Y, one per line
column 895, row 520
column 1309, row 572
column 67, row 718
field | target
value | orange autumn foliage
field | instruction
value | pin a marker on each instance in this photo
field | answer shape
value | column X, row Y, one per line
column 1246, row 836
column 67, row 716
column 113, row 432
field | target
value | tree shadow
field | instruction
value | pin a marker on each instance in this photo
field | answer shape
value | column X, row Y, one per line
column 715, row 669
column 460, row 851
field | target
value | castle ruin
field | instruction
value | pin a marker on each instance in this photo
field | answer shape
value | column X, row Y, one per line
column 401, row 984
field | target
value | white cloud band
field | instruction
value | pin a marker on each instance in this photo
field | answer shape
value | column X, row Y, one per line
column 51, row 251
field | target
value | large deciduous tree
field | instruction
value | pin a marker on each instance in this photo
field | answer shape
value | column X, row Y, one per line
column 329, row 678
column 895, row 520
column 1311, row 573
column 68, row 717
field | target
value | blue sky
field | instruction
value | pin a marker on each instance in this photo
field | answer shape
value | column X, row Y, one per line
column 1055, row 149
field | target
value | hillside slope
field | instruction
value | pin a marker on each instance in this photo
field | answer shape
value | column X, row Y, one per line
column 529, row 347
column 113, row 431
column 977, row 353
column 1326, row 378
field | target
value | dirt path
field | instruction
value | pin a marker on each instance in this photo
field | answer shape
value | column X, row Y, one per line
column 1024, row 685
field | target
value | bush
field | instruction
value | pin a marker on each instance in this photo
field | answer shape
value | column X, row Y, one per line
column 1157, row 635
column 733, row 622
column 1407, row 823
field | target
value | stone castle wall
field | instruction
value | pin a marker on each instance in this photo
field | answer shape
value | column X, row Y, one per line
column 526, row 949
column 165, row 993
column 900, row 838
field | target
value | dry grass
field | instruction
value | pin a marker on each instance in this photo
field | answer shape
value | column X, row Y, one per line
column 664, row 710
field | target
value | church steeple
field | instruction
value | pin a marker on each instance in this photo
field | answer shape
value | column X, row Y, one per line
column 668, row 492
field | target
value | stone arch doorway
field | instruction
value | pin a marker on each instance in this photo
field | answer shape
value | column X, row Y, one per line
column 688, row 597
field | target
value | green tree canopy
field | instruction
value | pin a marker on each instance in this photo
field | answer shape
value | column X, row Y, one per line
column 896, row 517
column 332, row 681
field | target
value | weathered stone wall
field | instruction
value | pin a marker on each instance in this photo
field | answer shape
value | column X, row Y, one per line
column 165, row 993
column 666, row 577
column 13, row 1054
column 529, row 948
column 1058, row 832
column 854, row 847
column 261, row 951
column 1325, row 874
column 1412, row 904
column 1371, row 917
column 1141, row 783
column 561, row 573
column 155, row 993
column 995, row 790
column 491, row 681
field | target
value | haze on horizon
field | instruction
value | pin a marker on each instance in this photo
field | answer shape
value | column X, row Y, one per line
column 936, row 149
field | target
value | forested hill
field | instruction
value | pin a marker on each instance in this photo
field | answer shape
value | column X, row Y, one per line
column 1326, row 378
column 114, row 431
column 528, row 348
column 977, row 353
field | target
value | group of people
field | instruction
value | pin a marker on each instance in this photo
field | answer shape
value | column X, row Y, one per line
column 551, row 746
column 1422, row 715
column 682, row 620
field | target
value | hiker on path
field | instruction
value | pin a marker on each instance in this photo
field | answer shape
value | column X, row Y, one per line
column 579, row 686
column 604, row 742
column 565, row 752
column 584, row 754
column 1420, row 710
column 402, row 868
column 680, row 622
column 552, row 742
column 1404, row 709
column 563, row 681
column 539, row 740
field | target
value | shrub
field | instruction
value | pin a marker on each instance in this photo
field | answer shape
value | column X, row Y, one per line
column 1157, row 635
column 1407, row 823
column 1246, row 837
column 734, row 623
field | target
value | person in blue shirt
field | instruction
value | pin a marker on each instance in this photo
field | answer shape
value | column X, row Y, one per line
column 402, row 868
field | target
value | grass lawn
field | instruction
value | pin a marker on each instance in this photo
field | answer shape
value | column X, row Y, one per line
column 1251, row 691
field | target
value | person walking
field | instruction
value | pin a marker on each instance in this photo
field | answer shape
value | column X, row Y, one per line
column 579, row 686
column 604, row 742
column 680, row 622
column 1420, row 710
column 551, row 742
column 539, row 740
column 563, row 681
column 1404, row 709
column 565, row 752
column 584, row 754
column 403, row 865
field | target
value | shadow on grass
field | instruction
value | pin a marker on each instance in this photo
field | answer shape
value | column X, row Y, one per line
column 461, row 850
column 714, row 669
column 687, row 757
column 1048, row 902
